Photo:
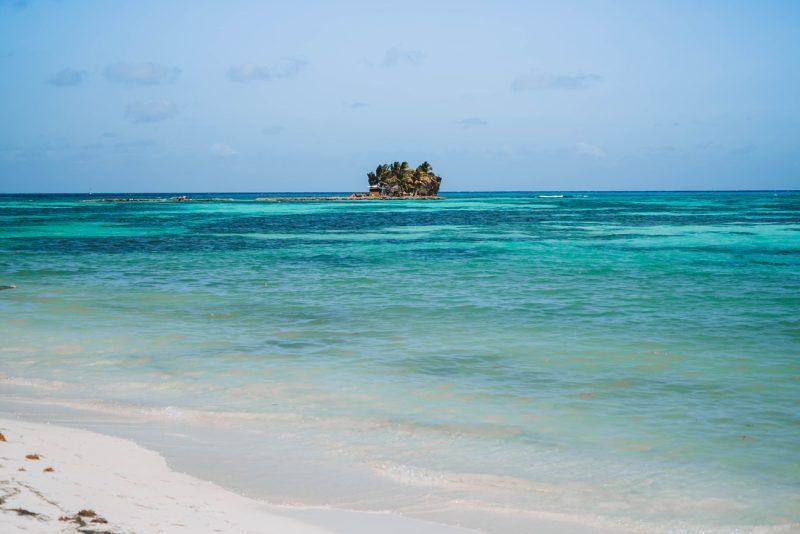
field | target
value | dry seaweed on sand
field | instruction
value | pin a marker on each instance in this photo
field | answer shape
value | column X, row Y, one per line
column 28, row 513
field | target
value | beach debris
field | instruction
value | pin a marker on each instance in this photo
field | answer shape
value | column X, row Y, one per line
column 23, row 511
column 48, row 469
column 32, row 457
column 2, row 437
column 7, row 287
column 73, row 519
column 87, row 514
column 81, row 517
column 21, row 469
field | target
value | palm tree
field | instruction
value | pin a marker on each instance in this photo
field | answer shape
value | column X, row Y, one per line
column 398, row 179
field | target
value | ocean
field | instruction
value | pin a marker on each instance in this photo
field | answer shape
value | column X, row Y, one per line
column 620, row 360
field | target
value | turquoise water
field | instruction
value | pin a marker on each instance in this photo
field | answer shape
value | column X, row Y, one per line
column 618, row 358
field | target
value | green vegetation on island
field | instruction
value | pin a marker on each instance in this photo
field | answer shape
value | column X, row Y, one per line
column 400, row 180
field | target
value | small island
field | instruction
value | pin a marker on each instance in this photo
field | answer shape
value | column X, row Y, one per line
column 398, row 180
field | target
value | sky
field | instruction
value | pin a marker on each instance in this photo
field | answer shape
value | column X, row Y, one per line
column 195, row 95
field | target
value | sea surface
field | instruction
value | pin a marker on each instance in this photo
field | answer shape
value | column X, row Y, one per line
column 622, row 360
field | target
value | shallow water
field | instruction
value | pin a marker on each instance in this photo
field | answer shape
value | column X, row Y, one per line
column 620, row 358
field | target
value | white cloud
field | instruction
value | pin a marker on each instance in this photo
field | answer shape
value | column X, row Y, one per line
column 586, row 149
column 537, row 80
column 395, row 56
column 471, row 122
column 249, row 72
column 151, row 111
column 67, row 77
column 223, row 150
column 141, row 73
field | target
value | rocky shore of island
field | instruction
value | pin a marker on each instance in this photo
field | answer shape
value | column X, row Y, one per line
column 343, row 199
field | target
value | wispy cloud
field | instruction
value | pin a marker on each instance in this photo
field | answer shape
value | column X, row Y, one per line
column 63, row 149
column 141, row 73
column 705, row 145
column 471, row 122
column 223, row 150
column 250, row 72
column 661, row 149
column 123, row 146
column 357, row 105
column 743, row 149
column 273, row 130
column 586, row 149
column 151, row 111
column 397, row 56
column 67, row 78
column 536, row 80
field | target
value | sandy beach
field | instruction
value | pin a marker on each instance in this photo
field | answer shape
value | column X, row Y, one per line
column 58, row 479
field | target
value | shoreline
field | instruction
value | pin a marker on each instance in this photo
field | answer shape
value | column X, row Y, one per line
column 147, row 432
column 60, row 479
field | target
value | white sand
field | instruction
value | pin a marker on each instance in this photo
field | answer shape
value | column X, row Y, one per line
column 134, row 490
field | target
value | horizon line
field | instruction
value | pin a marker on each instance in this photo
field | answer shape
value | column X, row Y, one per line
column 177, row 192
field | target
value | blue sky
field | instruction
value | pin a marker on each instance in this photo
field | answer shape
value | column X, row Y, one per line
column 309, row 96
